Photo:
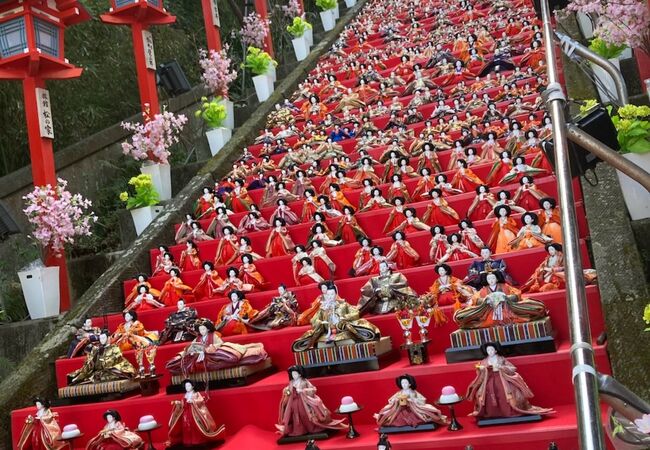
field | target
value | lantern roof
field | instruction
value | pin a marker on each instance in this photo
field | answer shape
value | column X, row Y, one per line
column 70, row 12
column 144, row 12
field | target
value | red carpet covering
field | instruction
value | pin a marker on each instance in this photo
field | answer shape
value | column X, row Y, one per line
column 371, row 49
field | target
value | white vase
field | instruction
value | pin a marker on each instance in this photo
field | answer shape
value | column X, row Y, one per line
column 230, row 113
column 350, row 3
column 606, row 87
column 336, row 11
column 327, row 17
column 637, row 198
column 217, row 138
column 309, row 36
column 161, row 178
column 301, row 47
column 271, row 72
column 142, row 217
column 585, row 25
column 41, row 291
column 263, row 86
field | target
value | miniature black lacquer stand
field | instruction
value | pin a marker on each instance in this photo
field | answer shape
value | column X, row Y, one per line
column 418, row 352
column 352, row 432
column 454, row 425
column 149, row 385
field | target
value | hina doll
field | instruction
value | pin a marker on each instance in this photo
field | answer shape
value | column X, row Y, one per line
column 283, row 193
column 498, row 303
column 319, row 232
column 456, row 250
column 482, row 204
column 306, row 273
column 491, row 149
column 407, row 407
column 376, row 201
column 348, row 230
column 115, row 435
column 234, row 316
column 438, row 244
column 204, row 205
column 411, row 224
column 549, row 275
column 164, row 261
column 41, row 431
column 362, row 255
column 323, row 265
column 337, row 199
column 238, row 199
column 190, row 422
column 469, row 236
column 528, row 194
column 386, row 292
column 84, row 338
column 401, row 252
column 500, row 169
column 483, row 266
column 143, row 301
column 190, row 259
column 530, row 234
column 208, row 283
column 498, row 390
column 105, row 362
column 366, row 171
column 519, row 170
column 438, row 211
column 180, row 326
column 397, row 189
column 301, row 184
column 249, row 274
column 504, row 198
column 284, row 212
column 251, row 222
column 465, row 180
column 443, row 184
column 220, row 222
column 174, row 289
column 141, row 280
column 184, row 230
column 302, row 412
column 447, row 290
column 335, row 321
column 233, row 282
column 429, row 160
column 269, row 196
column 281, row 312
column 305, row 317
column 504, row 230
column 208, row 352
column 550, row 221
column 279, row 242
column 396, row 216
column 131, row 335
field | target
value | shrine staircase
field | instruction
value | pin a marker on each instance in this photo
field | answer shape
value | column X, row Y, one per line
column 250, row 412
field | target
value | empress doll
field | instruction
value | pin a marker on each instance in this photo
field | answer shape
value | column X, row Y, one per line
column 407, row 407
column 190, row 422
column 279, row 242
column 498, row 390
column 41, row 431
column 530, row 234
column 348, row 229
column 115, row 435
column 504, row 230
column 401, row 252
column 438, row 211
column 307, row 273
column 234, row 316
column 302, row 412
column 174, row 289
column 447, row 289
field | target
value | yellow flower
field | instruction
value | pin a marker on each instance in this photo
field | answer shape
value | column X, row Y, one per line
column 124, row 196
column 633, row 112
column 646, row 314
column 588, row 105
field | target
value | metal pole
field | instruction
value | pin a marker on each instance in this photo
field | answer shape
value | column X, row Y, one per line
column 571, row 46
column 590, row 430
column 611, row 157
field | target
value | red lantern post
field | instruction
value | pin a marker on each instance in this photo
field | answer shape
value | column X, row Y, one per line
column 32, row 50
column 212, row 24
column 262, row 9
column 140, row 15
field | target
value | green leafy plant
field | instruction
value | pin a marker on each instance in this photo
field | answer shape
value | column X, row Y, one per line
column 145, row 193
column 213, row 112
column 258, row 61
column 588, row 105
column 605, row 49
column 326, row 4
column 299, row 27
column 633, row 126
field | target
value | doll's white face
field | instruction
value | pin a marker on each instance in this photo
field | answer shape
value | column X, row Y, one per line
column 110, row 418
column 383, row 268
column 528, row 220
column 404, row 383
column 189, row 387
column 88, row 323
column 39, row 405
column 180, row 305
column 103, row 339
column 491, row 351
column 485, row 253
column 552, row 251
column 295, row 375
column 330, row 295
column 142, row 289
column 492, row 279
column 203, row 330
column 128, row 317
column 399, row 237
column 503, row 212
column 441, row 271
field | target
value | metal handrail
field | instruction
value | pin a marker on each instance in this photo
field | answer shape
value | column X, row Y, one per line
column 590, row 430
column 610, row 156
column 570, row 46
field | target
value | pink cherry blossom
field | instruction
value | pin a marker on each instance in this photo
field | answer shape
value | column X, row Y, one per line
column 217, row 75
column 292, row 9
column 254, row 30
column 153, row 138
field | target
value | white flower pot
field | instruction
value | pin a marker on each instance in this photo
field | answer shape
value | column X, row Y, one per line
column 637, row 199
column 327, row 17
column 263, row 86
column 350, row 3
column 142, row 217
column 606, row 87
column 230, row 113
column 271, row 72
column 301, row 47
column 161, row 178
column 585, row 25
column 337, row 13
column 41, row 291
column 217, row 138
column 309, row 36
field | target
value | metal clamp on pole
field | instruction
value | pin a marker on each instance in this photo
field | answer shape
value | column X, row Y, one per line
column 573, row 48
column 590, row 429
